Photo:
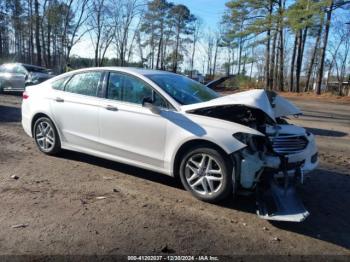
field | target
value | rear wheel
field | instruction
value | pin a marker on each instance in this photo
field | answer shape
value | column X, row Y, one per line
column 207, row 174
column 46, row 136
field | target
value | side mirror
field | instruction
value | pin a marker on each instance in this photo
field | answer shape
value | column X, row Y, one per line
column 147, row 102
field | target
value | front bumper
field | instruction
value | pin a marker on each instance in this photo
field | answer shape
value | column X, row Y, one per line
column 252, row 166
column 307, row 160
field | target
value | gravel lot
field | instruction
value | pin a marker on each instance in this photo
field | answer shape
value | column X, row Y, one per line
column 81, row 205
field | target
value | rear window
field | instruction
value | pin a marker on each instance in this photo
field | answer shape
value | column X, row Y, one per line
column 84, row 83
column 60, row 83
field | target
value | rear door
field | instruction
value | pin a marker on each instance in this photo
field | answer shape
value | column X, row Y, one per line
column 75, row 109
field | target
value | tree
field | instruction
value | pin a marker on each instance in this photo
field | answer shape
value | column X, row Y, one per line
column 195, row 38
column 302, row 16
column 333, row 5
column 102, row 29
column 182, row 21
column 124, row 14
column 155, row 24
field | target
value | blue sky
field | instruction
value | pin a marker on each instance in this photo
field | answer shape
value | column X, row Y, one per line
column 210, row 11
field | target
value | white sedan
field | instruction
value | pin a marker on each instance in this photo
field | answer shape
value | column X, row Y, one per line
column 170, row 124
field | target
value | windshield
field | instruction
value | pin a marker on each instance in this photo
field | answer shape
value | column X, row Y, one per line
column 184, row 90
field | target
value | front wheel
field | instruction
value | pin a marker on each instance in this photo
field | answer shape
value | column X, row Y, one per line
column 207, row 174
column 46, row 136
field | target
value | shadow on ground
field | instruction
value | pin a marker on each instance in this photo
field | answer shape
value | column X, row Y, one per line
column 10, row 114
column 122, row 168
column 326, row 132
column 326, row 195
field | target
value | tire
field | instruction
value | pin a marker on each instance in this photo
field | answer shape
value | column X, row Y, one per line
column 208, row 182
column 46, row 136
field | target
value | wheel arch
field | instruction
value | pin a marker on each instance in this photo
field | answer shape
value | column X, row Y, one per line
column 189, row 144
column 39, row 115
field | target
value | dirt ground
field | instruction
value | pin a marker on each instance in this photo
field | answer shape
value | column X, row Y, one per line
column 57, row 201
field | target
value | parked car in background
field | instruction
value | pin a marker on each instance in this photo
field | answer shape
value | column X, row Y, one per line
column 15, row 76
column 176, row 126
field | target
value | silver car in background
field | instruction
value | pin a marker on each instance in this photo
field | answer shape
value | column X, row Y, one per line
column 15, row 76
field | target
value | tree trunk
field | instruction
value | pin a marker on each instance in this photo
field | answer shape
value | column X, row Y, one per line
column 313, row 57
column 31, row 42
column 37, row 32
column 267, row 63
column 280, row 76
column 273, row 55
column 176, row 53
column 160, row 44
column 323, row 50
column 251, row 65
column 215, row 56
column 239, row 55
column 193, row 53
column 299, row 61
column 291, row 88
column 49, row 44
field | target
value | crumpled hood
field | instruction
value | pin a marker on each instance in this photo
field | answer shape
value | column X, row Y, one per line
column 272, row 104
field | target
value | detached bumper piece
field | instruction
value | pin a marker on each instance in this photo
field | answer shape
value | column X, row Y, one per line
column 280, row 201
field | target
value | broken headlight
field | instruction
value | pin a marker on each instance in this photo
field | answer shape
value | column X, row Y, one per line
column 254, row 142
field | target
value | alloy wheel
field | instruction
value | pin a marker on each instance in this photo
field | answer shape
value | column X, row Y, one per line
column 204, row 174
column 45, row 136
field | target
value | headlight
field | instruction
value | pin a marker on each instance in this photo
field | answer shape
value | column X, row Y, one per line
column 253, row 142
column 242, row 137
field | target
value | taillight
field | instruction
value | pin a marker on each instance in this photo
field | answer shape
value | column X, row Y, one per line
column 25, row 95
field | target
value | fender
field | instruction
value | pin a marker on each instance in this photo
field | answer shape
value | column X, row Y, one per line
column 194, row 127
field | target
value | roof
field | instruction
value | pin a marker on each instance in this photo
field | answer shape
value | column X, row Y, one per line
column 142, row 71
column 135, row 70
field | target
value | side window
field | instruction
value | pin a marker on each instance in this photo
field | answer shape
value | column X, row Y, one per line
column 84, row 83
column 114, row 90
column 159, row 101
column 132, row 90
column 135, row 90
column 60, row 83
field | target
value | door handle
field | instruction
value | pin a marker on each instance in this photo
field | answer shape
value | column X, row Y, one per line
column 111, row 108
column 60, row 100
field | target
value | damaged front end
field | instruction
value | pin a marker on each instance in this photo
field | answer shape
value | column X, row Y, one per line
column 272, row 164
column 274, row 167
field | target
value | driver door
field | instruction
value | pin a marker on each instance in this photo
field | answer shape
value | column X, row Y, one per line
column 128, row 131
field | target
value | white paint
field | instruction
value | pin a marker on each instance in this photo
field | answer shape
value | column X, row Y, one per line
column 135, row 135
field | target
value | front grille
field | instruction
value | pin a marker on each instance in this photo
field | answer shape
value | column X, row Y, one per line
column 288, row 144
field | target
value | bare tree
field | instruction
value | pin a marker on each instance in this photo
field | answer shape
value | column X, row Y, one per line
column 101, row 29
column 195, row 38
column 81, row 12
column 124, row 14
